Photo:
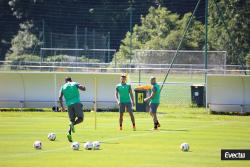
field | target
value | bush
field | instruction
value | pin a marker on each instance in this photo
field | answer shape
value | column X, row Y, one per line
column 248, row 60
column 22, row 58
column 66, row 58
column 87, row 60
column 58, row 58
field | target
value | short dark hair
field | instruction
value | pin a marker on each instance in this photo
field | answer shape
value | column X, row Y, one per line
column 68, row 79
column 124, row 75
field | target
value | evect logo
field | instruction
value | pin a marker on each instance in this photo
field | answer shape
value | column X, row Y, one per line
column 235, row 154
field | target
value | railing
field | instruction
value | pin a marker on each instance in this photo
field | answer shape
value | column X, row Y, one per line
column 79, row 66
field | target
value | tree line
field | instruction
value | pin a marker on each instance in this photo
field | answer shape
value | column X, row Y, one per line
column 157, row 24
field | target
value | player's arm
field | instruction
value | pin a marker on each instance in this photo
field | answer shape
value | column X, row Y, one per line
column 116, row 96
column 151, row 96
column 132, row 96
column 81, row 87
column 61, row 101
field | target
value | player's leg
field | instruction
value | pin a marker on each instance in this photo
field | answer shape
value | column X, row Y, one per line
column 153, row 111
column 151, row 114
column 72, row 118
column 157, row 121
column 121, row 120
column 79, row 113
column 154, row 119
column 121, row 111
column 130, row 111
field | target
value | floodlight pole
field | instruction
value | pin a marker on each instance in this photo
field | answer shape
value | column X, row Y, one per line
column 206, row 34
column 93, row 36
column 130, row 9
column 43, row 43
column 76, row 42
column 206, row 48
column 108, row 45
column 85, row 41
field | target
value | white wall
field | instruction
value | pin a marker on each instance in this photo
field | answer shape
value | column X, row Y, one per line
column 228, row 93
column 41, row 89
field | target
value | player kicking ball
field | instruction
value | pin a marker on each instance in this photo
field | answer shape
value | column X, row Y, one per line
column 70, row 92
column 124, row 96
column 154, row 101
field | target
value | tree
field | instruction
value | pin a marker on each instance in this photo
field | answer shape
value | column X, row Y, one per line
column 8, row 27
column 162, row 29
column 24, row 42
column 248, row 60
column 62, row 16
column 236, row 18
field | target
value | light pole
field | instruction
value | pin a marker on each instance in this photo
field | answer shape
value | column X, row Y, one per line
column 130, row 10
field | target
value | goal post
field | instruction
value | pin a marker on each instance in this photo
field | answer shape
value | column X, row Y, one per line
column 185, row 57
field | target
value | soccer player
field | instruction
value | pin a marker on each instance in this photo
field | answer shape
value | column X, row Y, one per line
column 70, row 91
column 154, row 101
column 124, row 96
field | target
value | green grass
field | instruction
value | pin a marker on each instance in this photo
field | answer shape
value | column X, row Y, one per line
column 206, row 134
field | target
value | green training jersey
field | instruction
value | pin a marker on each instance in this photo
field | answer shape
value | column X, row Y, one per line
column 71, row 93
column 123, row 91
column 156, row 98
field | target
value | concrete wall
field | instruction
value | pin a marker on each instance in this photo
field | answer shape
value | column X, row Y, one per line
column 41, row 89
column 228, row 93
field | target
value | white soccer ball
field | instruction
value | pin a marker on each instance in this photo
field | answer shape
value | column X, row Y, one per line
column 37, row 145
column 52, row 136
column 184, row 147
column 75, row 145
column 91, row 10
column 88, row 145
column 96, row 145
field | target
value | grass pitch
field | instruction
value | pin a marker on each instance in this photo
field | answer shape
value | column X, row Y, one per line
column 206, row 134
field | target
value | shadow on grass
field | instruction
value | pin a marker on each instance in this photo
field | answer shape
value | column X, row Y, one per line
column 165, row 130
column 105, row 142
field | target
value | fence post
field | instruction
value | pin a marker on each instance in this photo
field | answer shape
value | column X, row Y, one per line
column 85, row 42
column 93, row 36
column 108, row 47
column 76, row 43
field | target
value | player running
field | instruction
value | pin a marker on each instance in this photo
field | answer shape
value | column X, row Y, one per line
column 72, row 97
column 125, row 93
column 154, row 100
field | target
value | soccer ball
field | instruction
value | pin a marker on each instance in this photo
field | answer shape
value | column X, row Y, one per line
column 37, row 145
column 52, row 136
column 91, row 10
column 184, row 147
column 96, row 145
column 75, row 145
column 88, row 145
